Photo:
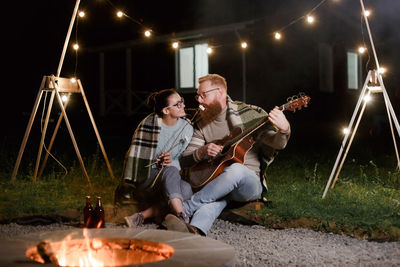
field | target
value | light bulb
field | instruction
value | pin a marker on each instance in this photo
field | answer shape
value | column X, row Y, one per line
column 361, row 50
column 76, row 46
column 64, row 98
column 278, row 36
column 147, row 33
column 81, row 14
column 175, row 45
column 310, row 19
column 209, row 50
column 244, row 45
column 367, row 98
column 120, row 14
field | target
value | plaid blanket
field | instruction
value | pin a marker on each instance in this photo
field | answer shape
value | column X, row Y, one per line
column 241, row 115
column 244, row 115
column 139, row 157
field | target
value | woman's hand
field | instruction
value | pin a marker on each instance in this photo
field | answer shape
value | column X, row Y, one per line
column 164, row 159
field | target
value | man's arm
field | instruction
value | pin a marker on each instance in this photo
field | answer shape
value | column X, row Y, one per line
column 198, row 150
column 276, row 139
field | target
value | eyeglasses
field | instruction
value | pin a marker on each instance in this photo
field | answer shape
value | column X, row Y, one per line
column 204, row 94
column 178, row 104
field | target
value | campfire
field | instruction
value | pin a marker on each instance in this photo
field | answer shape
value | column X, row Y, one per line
column 90, row 251
column 115, row 247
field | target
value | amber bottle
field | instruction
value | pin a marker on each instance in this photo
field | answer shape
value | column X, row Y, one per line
column 88, row 213
column 99, row 215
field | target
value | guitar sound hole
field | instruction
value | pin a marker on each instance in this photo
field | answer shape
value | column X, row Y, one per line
column 224, row 150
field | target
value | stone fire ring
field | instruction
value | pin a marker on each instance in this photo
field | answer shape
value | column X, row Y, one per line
column 189, row 249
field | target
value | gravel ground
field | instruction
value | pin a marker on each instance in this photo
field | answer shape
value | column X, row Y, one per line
column 257, row 246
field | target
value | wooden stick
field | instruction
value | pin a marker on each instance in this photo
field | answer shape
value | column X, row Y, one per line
column 28, row 130
column 95, row 130
column 44, row 130
column 52, row 141
column 78, row 154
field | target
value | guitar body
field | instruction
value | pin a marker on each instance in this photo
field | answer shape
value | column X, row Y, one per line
column 235, row 147
column 207, row 170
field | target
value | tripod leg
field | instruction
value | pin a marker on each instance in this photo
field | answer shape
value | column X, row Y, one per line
column 78, row 154
column 44, row 130
column 96, row 131
column 349, row 144
column 389, row 106
column 355, row 112
column 51, row 142
column 27, row 131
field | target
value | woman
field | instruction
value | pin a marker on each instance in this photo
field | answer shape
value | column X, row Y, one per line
column 152, row 161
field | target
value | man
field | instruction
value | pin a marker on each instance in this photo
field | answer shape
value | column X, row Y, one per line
column 238, row 182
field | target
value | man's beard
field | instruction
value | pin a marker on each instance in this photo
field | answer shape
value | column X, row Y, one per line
column 211, row 112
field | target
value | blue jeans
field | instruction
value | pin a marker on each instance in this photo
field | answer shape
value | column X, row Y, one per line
column 236, row 182
column 172, row 184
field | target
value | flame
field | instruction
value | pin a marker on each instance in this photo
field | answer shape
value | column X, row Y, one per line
column 82, row 256
column 98, row 251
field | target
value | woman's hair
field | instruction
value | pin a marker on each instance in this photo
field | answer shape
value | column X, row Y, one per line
column 159, row 100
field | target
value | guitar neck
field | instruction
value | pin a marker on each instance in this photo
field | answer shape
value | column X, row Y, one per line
column 251, row 129
column 246, row 132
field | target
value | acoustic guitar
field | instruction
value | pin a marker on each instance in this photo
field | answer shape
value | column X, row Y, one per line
column 235, row 147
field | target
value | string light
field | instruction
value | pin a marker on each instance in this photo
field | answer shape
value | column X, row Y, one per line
column 310, row 19
column 346, row 130
column 64, row 98
column 73, row 80
column 382, row 70
column 362, row 49
column 147, row 33
column 367, row 98
column 175, row 45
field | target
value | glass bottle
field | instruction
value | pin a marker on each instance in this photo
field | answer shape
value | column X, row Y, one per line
column 87, row 213
column 99, row 215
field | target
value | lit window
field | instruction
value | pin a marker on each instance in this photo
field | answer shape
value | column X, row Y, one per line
column 353, row 70
column 192, row 63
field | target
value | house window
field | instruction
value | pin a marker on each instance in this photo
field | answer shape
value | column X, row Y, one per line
column 353, row 71
column 191, row 63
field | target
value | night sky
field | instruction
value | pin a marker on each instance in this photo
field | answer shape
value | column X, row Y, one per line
column 33, row 40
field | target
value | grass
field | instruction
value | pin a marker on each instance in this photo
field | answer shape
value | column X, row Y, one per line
column 364, row 203
column 56, row 191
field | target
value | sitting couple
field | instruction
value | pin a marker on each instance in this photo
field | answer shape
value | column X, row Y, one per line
column 164, row 143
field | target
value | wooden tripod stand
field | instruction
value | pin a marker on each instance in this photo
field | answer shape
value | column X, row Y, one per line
column 56, row 86
column 373, row 85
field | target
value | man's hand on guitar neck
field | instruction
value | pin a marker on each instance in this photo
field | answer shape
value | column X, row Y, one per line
column 211, row 150
column 278, row 119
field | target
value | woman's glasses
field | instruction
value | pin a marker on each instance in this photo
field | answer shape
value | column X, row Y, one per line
column 178, row 104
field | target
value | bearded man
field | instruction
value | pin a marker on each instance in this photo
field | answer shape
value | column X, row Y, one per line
column 237, row 182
